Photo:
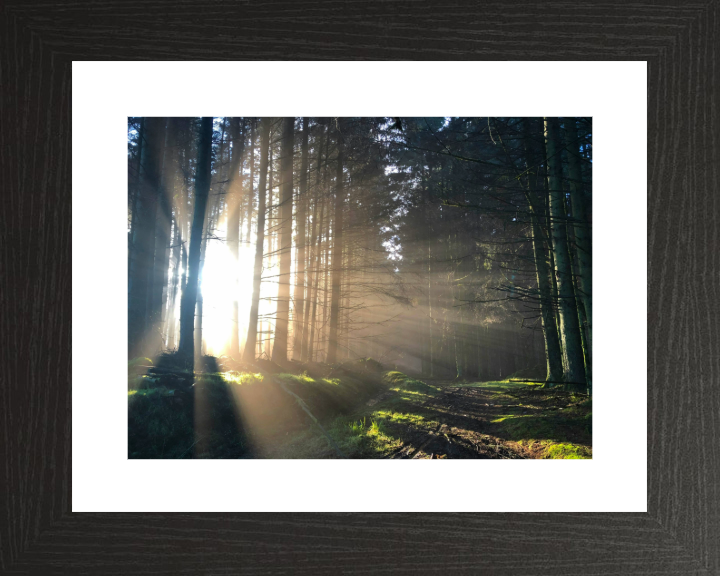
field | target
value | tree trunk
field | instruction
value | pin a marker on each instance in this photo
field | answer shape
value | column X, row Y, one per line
column 251, row 341
column 234, row 201
column 573, row 362
column 553, row 356
column 135, row 201
column 316, row 295
column 323, row 327
column 337, row 252
column 163, row 228
column 347, row 279
column 190, row 293
column 547, row 235
column 199, row 309
column 212, row 212
column 141, row 270
column 431, row 358
column 580, row 203
column 271, row 248
column 301, row 240
column 280, row 344
column 251, row 191
column 324, row 217
column 313, row 259
column 170, row 321
column 173, row 191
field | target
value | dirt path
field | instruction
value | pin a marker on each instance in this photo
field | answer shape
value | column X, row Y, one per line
column 436, row 419
column 464, row 427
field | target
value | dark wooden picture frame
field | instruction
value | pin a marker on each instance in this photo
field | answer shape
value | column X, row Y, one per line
column 680, row 533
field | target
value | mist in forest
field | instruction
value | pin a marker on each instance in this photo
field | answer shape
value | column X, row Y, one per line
column 443, row 248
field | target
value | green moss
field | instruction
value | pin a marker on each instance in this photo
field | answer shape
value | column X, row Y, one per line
column 296, row 378
column 394, row 377
column 404, row 383
column 568, row 451
column 363, row 438
column 560, row 422
column 162, row 420
column 370, row 364
column 157, row 426
column 391, row 416
column 210, row 379
column 551, row 423
column 141, row 361
column 242, row 378
column 161, row 391
column 329, row 394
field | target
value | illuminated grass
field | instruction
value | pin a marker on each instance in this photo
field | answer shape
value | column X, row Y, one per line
column 403, row 383
column 241, row 378
column 141, row 361
column 158, row 428
column 296, row 378
column 393, row 417
column 557, row 422
column 162, row 419
column 162, row 391
column 568, row 451
column 547, row 423
column 363, row 438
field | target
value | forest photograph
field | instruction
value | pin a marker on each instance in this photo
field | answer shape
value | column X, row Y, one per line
column 359, row 287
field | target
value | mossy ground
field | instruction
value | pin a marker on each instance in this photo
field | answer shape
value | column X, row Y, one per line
column 493, row 419
column 366, row 412
column 548, row 422
column 233, row 413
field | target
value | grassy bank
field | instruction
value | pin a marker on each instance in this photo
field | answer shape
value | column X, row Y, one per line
column 356, row 410
column 234, row 413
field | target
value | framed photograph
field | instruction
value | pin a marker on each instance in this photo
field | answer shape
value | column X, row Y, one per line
column 288, row 274
column 362, row 287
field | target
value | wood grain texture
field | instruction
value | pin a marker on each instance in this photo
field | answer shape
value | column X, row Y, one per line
column 681, row 532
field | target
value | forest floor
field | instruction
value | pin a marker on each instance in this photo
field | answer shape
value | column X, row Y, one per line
column 439, row 419
column 357, row 410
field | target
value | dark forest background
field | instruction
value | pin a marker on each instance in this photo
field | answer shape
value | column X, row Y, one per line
column 446, row 246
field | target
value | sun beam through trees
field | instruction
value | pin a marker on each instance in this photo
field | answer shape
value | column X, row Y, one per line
column 447, row 250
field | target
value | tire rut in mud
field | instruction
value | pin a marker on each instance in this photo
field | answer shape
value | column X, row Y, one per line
column 463, row 416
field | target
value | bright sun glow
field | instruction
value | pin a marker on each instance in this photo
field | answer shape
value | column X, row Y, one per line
column 219, row 289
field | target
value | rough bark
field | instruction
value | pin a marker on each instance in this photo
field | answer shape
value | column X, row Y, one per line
column 280, row 344
column 161, row 262
column 326, row 315
column 431, row 359
column 553, row 356
column 580, row 203
column 251, row 340
column 190, row 293
column 573, row 361
column 135, row 201
column 270, row 251
column 141, row 269
column 313, row 258
column 337, row 251
column 212, row 212
column 173, row 287
column 251, row 190
column 302, row 201
column 234, row 198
